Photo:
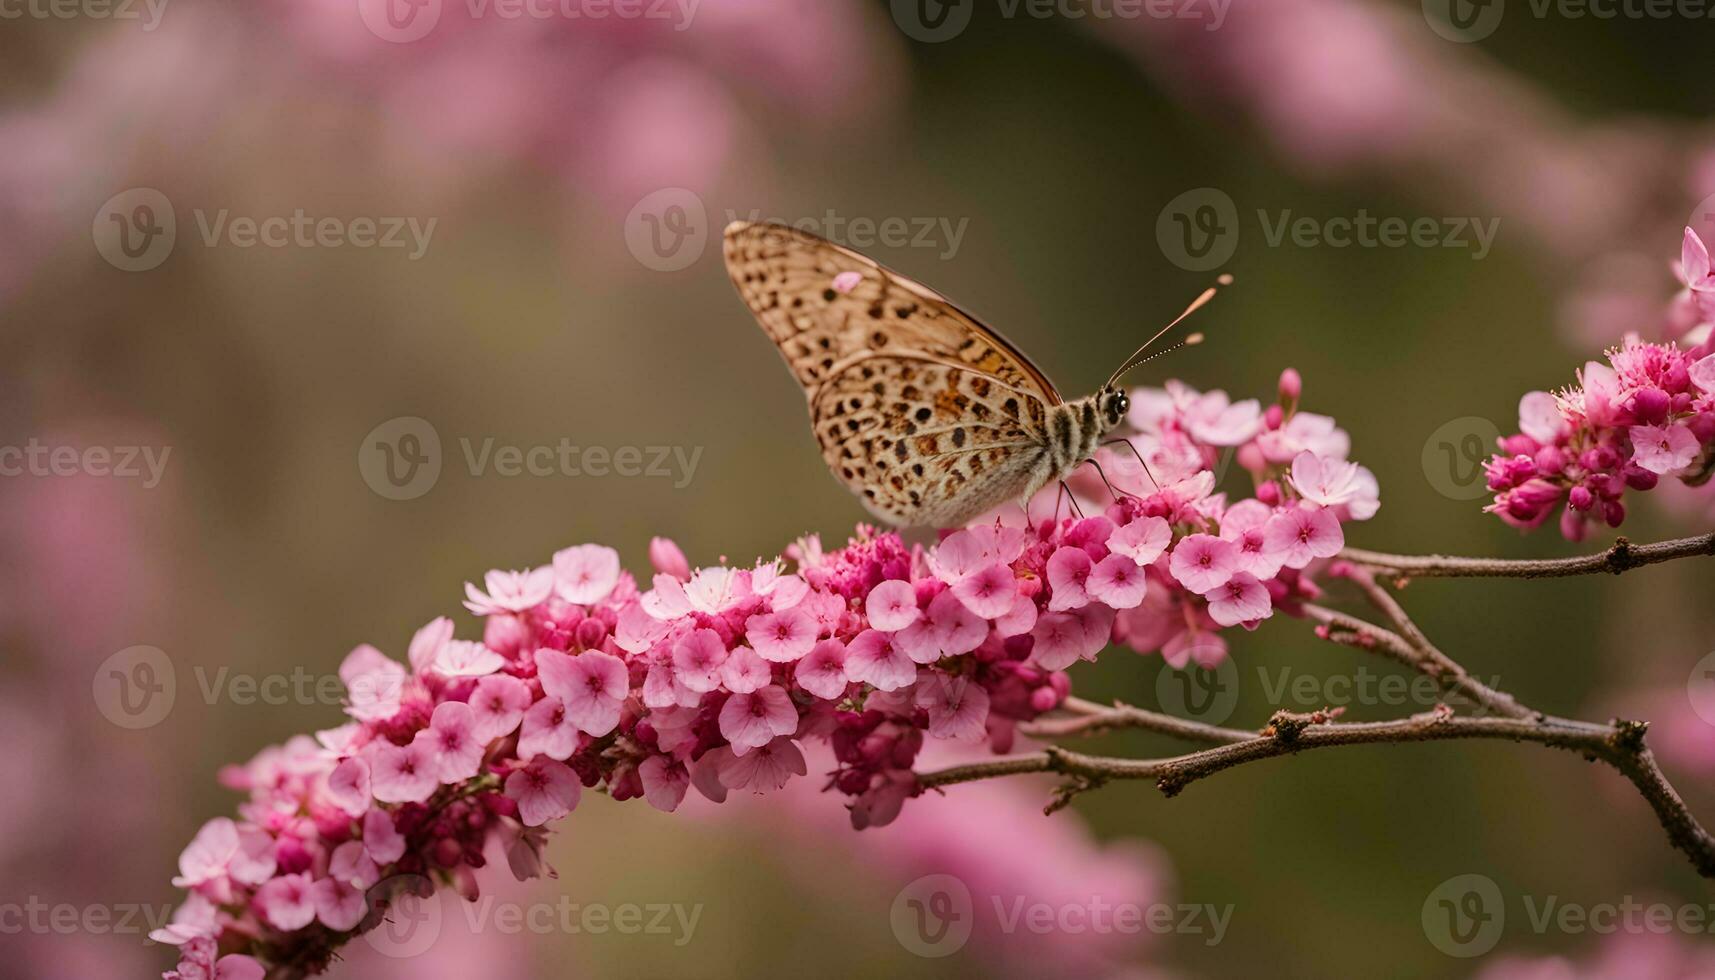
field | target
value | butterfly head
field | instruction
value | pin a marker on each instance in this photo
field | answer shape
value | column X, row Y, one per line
column 1113, row 404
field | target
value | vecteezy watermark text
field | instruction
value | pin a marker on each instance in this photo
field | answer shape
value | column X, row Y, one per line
column 149, row 12
column 403, row 21
column 1465, row 916
column 38, row 459
column 933, row 21
column 401, row 459
column 136, row 230
column 36, row 916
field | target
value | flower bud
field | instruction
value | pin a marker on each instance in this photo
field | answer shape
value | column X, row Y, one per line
column 1291, row 386
column 665, row 555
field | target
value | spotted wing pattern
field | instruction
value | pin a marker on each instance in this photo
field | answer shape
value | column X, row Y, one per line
column 926, row 414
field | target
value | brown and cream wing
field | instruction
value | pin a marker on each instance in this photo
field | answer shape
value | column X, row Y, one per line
column 787, row 278
column 921, row 441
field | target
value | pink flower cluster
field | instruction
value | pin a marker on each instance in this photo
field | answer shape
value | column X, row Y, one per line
column 1647, row 413
column 715, row 677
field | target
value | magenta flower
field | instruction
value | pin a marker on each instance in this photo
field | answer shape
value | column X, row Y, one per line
column 497, row 705
column 401, row 773
column 892, row 605
column 1068, row 570
column 545, row 790
column 1118, row 582
column 874, row 658
column 1202, row 562
column 1301, row 535
column 451, row 742
column 989, row 593
column 1241, row 599
column 548, row 730
column 823, row 672
column 697, row 660
column 781, row 637
column 287, row 902
column 750, row 721
column 591, row 685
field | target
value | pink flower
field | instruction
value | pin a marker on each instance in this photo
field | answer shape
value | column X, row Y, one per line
column 1143, row 540
column 1539, row 417
column 381, row 839
column 545, row 791
column 874, row 658
column 1241, row 599
column 352, row 864
column 744, row 671
column 1117, row 581
column 427, row 644
column 287, row 903
column 664, row 782
column 451, row 743
column 1335, row 483
column 667, row 559
column 592, row 686
column 498, row 704
column 208, row 854
column 547, row 730
column 892, row 605
column 1702, row 373
column 510, row 591
column 375, row 685
column 762, row 769
column 697, row 660
column 1064, row 638
column 1068, row 569
column 1018, row 620
column 1202, row 561
column 1663, row 449
column 349, row 787
column 988, row 593
column 1212, row 420
column 958, row 708
column 1243, row 525
column 401, row 773
column 781, row 637
column 753, row 720
column 1300, row 535
column 465, row 658
column 197, row 962
column 586, row 574
column 338, row 905
column 1205, row 648
column 947, row 629
column 823, row 672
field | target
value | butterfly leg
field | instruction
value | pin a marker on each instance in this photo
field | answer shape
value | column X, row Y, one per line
column 1141, row 461
column 1066, row 492
column 1116, row 494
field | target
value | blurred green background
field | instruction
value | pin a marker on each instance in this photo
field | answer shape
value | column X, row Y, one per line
column 529, row 319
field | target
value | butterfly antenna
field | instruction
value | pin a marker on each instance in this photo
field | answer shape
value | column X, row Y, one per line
column 1140, row 356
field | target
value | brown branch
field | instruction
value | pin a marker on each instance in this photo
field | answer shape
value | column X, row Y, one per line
column 1619, row 744
column 1622, row 557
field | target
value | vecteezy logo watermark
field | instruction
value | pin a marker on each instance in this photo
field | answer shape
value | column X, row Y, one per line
column 1464, row 21
column 941, row 234
column 135, row 688
column 668, row 229
column 1199, row 693
column 934, row 21
column 1700, row 688
column 1199, row 230
column 934, row 915
column 1454, row 454
column 38, row 459
column 400, row 459
column 1464, row 915
column 403, row 21
column 149, row 12
column 136, row 230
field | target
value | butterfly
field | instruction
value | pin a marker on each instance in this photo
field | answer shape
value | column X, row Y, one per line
column 926, row 414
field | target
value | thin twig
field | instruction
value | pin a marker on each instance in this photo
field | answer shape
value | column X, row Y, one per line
column 1089, row 718
column 1619, row 744
column 1623, row 556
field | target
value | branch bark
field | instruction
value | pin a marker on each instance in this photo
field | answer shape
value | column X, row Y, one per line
column 1623, row 556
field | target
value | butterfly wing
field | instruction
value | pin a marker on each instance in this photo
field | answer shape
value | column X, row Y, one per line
column 926, row 414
